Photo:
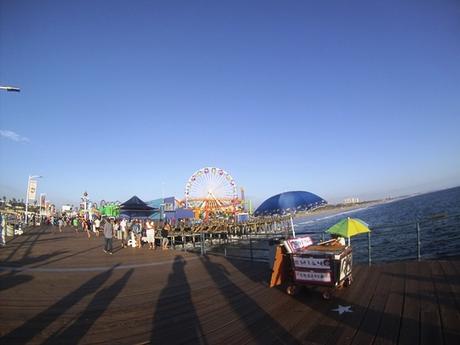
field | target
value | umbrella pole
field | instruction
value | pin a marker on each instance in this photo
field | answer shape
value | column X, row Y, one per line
column 292, row 227
column 348, row 241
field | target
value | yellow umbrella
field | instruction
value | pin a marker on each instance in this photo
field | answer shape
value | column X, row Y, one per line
column 349, row 227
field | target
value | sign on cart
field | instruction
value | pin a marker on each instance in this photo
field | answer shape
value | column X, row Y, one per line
column 311, row 276
column 310, row 262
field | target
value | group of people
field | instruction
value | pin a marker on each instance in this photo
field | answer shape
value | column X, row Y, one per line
column 132, row 233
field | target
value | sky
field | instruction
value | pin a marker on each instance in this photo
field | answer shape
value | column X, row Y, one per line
column 121, row 98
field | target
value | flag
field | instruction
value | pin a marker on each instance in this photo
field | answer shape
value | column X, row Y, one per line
column 32, row 189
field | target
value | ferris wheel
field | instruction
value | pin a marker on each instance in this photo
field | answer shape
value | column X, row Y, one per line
column 210, row 188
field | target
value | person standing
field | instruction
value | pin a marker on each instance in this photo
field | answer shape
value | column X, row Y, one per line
column 96, row 226
column 87, row 226
column 150, row 233
column 124, row 233
column 75, row 224
column 2, row 230
column 116, row 228
column 164, row 235
column 137, row 230
column 60, row 224
column 108, row 234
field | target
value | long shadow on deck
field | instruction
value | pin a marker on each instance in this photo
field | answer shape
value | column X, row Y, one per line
column 98, row 305
column 14, row 277
column 248, row 310
column 38, row 323
column 259, row 275
column 31, row 233
column 175, row 319
column 66, row 257
column 32, row 260
column 11, row 280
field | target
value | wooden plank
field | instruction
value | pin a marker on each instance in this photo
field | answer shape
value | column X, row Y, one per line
column 388, row 332
column 410, row 323
column 326, row 325
column 430, row 321
column 350, row 323
column 374, row 313
column 447, row 301
column 211, row 300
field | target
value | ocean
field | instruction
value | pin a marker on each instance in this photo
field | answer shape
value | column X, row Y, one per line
column 394, row 227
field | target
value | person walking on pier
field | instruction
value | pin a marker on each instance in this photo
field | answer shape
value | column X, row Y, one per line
column 108, row 234
column 75, row 224
column 2, row 230
column 96, row 226
column 60, row 224
column 87, row 226
column 164, row 235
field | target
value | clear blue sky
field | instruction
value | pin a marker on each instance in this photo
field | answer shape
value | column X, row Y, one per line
column 355, row 98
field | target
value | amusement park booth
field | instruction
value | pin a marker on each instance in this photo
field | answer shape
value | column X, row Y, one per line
column 136, row 208
column 167, row 208
column 172, row 212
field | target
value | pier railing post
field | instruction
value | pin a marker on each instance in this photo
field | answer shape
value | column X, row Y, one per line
column 418, row 242
column 202, row 244
column 369, row 248
column 250, row 248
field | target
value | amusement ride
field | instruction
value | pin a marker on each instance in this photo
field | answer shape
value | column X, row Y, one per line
column 212, row 192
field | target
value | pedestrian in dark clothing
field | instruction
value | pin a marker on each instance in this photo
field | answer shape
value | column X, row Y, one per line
column 164, row 235
column 108, row 233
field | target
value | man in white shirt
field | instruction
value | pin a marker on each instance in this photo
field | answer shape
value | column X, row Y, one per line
column 96, row 226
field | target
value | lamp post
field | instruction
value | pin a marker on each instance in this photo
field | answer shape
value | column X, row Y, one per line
column 27, row 195
column 10, row 88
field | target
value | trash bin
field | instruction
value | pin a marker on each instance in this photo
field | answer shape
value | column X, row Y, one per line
column 10, row 230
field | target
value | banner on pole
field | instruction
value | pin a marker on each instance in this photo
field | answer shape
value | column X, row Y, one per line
column 32, row 189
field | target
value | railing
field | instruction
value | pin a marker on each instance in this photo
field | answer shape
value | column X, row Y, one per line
column 428, row 238
column 425, row 238
column 253, row 247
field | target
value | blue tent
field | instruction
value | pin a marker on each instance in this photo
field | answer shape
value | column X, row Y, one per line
column 289, row 202
column 135, row 207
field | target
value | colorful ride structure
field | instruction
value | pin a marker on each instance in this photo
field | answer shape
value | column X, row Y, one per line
column 211, row 193
column 109, row 209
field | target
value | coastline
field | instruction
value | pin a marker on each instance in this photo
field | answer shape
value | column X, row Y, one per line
column 331, row 210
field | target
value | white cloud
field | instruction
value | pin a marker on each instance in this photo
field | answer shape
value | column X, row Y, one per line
column 13, row 136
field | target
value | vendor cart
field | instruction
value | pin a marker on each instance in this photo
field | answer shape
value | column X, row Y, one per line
column 327, row 264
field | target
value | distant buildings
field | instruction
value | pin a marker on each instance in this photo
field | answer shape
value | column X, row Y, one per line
column 66, row 208
column 351, row 200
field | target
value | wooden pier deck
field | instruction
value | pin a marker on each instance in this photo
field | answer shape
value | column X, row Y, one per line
column 62, row 289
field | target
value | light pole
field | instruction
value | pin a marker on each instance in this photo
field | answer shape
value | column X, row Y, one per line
column 27, row 195
column 10, row 88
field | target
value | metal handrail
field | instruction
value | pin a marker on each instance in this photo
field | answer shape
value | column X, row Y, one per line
column 417, row 225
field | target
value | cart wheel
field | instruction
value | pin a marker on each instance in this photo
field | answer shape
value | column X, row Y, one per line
column 326, row 295
column 292, row 290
